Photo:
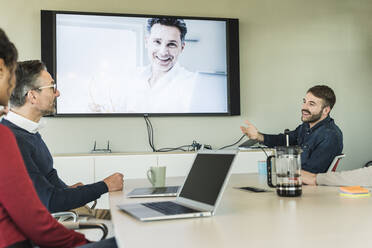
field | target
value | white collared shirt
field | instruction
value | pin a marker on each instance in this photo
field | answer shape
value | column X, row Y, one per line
column 24, row 123
column 172, row 93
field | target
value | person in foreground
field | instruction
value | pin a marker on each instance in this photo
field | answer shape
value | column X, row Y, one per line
column 34, row 96
column 318, row 136
column 362, row 177
column 24, row 220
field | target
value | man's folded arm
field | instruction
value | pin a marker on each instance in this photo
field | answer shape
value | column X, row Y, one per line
column 63, row 199
column 322, row 156
column 69, row 198
column 57, row 199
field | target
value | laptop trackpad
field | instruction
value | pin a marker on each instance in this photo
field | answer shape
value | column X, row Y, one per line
column 139, row 211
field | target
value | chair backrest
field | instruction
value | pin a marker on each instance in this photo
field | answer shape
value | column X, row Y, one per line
column 369, row 163
column 335, row 163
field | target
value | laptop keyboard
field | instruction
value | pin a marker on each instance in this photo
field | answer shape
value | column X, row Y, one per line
column 169, row 208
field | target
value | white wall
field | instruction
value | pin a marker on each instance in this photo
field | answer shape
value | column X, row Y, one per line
column 286, row 46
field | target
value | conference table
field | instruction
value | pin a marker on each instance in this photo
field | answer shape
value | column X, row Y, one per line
column 319, row 218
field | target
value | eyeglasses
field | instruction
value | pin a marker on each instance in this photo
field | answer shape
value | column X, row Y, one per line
column 54, row 86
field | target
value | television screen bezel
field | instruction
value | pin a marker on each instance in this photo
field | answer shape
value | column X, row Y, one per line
column 48, row 56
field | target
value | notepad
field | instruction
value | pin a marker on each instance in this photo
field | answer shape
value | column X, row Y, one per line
column 354, row 191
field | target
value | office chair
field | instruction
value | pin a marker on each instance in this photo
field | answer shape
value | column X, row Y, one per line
column 335, row 163
column 70, row 221
column 65, row 216
column 71, row 215
column 86, row 225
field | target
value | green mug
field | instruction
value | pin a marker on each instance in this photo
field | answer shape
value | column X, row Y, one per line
column 156, row 176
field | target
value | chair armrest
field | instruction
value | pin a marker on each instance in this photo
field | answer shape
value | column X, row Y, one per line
column 87, row 225
column 94, row 204
column 63, row 216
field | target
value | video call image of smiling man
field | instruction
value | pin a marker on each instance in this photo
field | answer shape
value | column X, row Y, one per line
column 162, row 86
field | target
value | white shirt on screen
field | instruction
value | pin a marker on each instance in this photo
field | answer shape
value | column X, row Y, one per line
column 172, row 93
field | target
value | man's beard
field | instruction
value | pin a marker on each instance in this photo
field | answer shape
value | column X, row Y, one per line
column 51, row 110
column 313, row 117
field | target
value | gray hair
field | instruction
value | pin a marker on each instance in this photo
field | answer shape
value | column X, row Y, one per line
column 27, row 73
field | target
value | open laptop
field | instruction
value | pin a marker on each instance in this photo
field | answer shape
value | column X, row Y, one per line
column 199, row 195
column 154, row 192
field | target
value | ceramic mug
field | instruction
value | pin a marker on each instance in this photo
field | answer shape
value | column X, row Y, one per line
column 156, row 176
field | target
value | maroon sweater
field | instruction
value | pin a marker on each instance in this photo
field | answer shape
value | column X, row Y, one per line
column 22, row 215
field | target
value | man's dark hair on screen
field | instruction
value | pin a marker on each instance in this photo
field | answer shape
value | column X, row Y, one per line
column 167, row 21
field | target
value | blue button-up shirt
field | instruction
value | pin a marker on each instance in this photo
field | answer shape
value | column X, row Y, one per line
column 320, row 144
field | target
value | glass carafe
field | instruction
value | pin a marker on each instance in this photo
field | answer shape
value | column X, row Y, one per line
column 288, row 171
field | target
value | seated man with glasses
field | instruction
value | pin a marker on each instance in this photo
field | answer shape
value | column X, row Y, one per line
column 54, row 86
column 34, row 97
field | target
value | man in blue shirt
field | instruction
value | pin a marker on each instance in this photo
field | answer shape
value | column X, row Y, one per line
column 34, row 97
column 318, row 136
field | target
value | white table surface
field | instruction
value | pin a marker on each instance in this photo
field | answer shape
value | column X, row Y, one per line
column 319, row 218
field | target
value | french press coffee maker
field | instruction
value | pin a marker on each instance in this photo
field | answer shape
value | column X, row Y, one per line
column 288, row 170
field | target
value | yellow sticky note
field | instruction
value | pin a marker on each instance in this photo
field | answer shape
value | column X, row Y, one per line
column 354, row 190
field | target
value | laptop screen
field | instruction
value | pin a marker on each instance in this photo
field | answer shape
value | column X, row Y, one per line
column 206, row 177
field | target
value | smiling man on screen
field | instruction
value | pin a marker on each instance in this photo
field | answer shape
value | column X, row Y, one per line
column 164, row 85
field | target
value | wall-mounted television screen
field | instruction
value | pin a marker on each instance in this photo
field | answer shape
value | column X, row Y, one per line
column 125, row 64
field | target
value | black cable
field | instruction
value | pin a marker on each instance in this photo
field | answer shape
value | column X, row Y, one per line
column 150, row 134
column 174, row 149
column 262, row 148
column 233, row 144
column 264, row 151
